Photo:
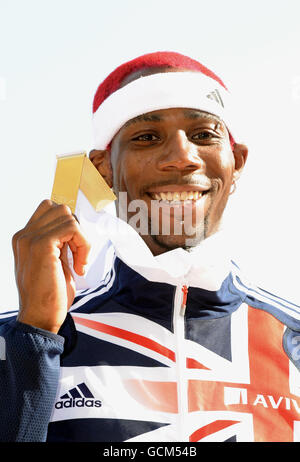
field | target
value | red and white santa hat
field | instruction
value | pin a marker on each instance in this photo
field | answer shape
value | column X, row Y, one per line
column 196, row 88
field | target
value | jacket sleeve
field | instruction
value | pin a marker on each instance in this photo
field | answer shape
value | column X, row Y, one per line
column 29, row 373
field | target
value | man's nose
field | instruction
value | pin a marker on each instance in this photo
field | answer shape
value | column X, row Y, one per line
column 180, row 154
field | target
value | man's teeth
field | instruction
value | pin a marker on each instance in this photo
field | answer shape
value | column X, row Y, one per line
column 177, row 196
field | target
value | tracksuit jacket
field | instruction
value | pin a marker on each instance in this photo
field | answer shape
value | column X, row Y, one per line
column 204, row 357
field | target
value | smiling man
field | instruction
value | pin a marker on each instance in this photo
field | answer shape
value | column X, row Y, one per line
column 181, row 158
column 173, row 344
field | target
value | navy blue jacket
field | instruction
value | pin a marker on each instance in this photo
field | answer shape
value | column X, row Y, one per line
column 137, row 360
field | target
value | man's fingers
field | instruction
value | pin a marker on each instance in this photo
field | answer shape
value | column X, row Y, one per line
column 69, row 232
column 42, row 208
column 54, row 235
column 47, row 215
column 80, row 249
column 46, row 212
column 24, row 239
column 52, row 218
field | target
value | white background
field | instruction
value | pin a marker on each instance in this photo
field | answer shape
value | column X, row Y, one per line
column 53, row 55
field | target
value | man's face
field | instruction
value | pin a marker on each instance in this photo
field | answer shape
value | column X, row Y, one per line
column 181, row 159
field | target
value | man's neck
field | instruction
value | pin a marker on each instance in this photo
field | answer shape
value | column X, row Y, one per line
column 158, row 246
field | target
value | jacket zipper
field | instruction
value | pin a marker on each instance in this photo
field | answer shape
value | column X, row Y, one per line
column 182, row 383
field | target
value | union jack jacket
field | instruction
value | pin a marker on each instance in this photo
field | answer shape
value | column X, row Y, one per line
column 143, row 360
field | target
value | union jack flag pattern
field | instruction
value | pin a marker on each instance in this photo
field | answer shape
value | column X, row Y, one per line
column 179, row 363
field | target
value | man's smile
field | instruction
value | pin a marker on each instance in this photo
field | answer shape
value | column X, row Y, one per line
column 178, row 193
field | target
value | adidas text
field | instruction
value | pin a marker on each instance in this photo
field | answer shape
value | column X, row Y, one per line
column 81, row 402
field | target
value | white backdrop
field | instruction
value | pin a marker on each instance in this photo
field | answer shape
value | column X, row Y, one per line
column 53, row 55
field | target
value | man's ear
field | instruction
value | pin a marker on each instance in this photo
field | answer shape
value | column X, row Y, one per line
column 101, row 160
column 240, row 152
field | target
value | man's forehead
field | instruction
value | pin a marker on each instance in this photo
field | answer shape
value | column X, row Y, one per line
column 163, row 114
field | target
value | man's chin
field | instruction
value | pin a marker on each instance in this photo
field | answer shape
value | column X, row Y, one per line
column 172, row 242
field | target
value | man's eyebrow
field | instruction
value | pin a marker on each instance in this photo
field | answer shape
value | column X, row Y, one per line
column 189, row 113
column 195, row 114
column 144, row 118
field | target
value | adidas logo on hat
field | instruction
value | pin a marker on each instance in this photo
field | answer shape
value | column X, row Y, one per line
column 215, row 95
column 79, row 396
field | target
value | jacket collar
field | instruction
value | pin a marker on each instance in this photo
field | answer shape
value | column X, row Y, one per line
column 206, row 266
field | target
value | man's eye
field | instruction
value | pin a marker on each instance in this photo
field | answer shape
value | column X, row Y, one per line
column 146, row 137
column 202, row 136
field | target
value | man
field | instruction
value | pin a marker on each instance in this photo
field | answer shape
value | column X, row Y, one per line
column 172, row 344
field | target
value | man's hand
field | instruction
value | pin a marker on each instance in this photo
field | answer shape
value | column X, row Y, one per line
column 45, row 283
